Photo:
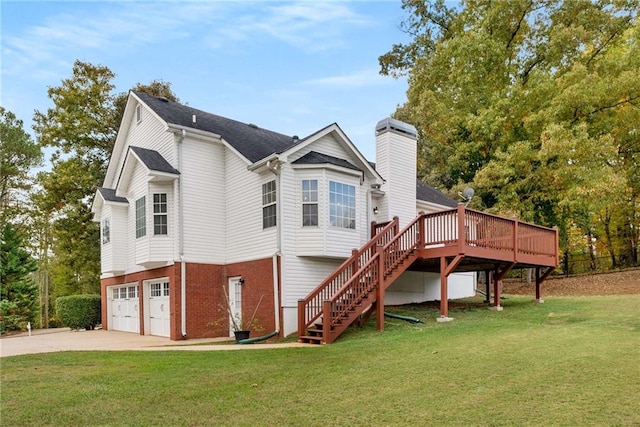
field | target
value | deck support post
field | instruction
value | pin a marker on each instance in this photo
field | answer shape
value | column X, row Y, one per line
column 380, row 289
column 444, row 289
column 487, row 286
column 539, row 280
column 497, row 284
column 446, row 268
column 498, row 275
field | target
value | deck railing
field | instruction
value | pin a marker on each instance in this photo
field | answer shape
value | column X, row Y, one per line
column 486, row 231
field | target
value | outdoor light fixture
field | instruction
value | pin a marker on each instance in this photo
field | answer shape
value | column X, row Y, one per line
column 241, row 281
column 375, row 210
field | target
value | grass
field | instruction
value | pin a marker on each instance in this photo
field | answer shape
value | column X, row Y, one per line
column 570, row 361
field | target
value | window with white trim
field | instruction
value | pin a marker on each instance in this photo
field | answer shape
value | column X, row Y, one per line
column 160, row 226
column 106, row 231
column 269, row 204
column 141, row 217
column 309, row 202
column 342, row 205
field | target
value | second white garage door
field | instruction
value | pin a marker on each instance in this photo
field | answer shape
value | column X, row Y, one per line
column 159, row 308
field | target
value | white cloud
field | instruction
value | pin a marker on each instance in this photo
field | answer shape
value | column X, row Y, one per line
column 362, row 78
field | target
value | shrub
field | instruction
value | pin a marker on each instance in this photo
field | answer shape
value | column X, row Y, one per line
column 79, row 311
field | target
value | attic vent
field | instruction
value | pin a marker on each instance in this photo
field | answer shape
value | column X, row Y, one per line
column 251, row 125
column 295, row 137
column 162, row 98
column 193, row 119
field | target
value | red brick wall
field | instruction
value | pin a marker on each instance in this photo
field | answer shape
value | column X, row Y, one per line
column 258, row 283
column 206, row 313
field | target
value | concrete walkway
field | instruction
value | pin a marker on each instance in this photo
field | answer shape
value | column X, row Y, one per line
column 63, row 339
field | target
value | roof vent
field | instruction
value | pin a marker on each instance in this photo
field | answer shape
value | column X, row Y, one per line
column 251, row 125
column 162, row 98
column 295, row 137
column 193, row 119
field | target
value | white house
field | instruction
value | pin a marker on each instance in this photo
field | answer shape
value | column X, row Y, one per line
column 197, row 209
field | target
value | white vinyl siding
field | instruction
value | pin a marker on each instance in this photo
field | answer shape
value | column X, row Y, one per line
column 203, row 213
column 149, row 133
column 245, row 238
column 113, row 256
column 396, row 163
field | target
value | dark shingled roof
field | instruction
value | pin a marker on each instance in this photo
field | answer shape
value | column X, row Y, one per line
column 109, row 195
column 153, row 160
column 251, row 141
column 427, row 193
column 315, row 158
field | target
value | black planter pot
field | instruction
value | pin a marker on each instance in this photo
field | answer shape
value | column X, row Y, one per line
column 241, row 335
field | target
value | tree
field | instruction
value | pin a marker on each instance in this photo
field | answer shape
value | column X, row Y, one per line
column 18, row 155
column 82, row 126
column 534, row 103
column 18, row 291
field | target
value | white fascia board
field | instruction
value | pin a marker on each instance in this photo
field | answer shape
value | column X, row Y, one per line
column 329, row 166
column 179, row 128
column 119, row 146
column 436, row 206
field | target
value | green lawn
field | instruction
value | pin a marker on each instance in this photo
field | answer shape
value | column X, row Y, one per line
column 569, row 361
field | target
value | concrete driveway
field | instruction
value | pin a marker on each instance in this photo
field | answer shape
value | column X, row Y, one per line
column 63, row 339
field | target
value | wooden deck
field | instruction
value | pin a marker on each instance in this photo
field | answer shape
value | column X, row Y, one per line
column 450, row 241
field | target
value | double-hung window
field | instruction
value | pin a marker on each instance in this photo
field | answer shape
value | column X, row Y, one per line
column 309, row 202
column 106, row 231
column 160, row 226
column 342, row 205
column 269, row 204
column 141, row 217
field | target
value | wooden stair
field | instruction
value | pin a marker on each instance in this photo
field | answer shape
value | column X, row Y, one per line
column 356, row 286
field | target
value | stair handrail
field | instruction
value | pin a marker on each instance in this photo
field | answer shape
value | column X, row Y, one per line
column 310, row 308
column 370, row 268
column 414, row 230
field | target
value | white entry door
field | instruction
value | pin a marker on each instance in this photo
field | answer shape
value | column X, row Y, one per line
column 235, row 302
column 159, row 319
column 124, row 310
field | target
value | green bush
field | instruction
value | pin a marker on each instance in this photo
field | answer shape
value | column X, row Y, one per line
column 79, row 311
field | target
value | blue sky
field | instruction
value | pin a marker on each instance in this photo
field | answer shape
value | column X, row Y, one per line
column 292, row 67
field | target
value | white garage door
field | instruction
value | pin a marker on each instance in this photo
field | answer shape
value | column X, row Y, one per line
column 125, row 309
column 159, row 308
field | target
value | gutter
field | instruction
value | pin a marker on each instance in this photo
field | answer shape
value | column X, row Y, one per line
column 183, row 264
column 275, row 166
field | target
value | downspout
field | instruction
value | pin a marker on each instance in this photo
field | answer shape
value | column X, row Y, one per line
column 275, row 168
column 183, row 264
